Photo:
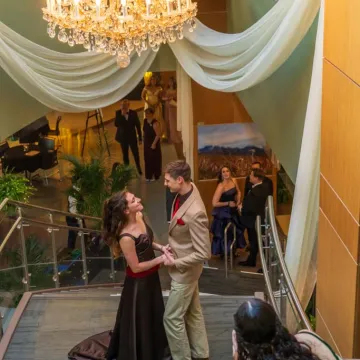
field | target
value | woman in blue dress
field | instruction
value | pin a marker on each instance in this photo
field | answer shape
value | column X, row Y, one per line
column 226, row 199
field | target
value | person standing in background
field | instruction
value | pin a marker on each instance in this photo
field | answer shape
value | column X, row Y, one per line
column 267, row 181
column 152, row 148
column 128, row 124
column 170, row 98
column 152, row 95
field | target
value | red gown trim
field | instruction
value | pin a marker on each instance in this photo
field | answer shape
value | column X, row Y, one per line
column 142, row 274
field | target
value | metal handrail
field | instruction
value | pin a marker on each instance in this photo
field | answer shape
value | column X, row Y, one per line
column 231, row 247
column 51, row 228
column 7, row 237
column 52, row 211
column 283, row 267
column 264, row 265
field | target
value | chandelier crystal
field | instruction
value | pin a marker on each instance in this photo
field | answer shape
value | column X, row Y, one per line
column 119, row 27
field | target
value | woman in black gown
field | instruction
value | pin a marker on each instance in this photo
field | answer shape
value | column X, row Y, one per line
column 139, row 332
column 152, row 149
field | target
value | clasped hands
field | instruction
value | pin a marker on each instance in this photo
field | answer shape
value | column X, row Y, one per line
column 167, row 257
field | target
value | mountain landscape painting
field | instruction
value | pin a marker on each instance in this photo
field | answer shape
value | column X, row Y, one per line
column 235, row 145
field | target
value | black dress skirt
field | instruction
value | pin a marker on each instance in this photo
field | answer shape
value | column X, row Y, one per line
column 139, row 332
column 152, row 157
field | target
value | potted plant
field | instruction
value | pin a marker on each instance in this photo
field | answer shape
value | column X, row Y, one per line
column 93, row 182
column 15, row 187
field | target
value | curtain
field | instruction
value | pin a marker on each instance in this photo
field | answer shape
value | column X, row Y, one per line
column 68, row 82
column 301, row 247
column 223, row 62
column 185, row 114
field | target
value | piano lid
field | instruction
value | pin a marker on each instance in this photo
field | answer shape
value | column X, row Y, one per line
column 30, row 133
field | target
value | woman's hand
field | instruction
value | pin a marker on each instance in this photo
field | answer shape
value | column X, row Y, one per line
column 232, row 204
column 153, row 147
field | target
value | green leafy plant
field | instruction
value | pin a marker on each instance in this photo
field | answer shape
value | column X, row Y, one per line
column 15, row 187
column 11, row 280
column 283, row 195
column 94, row 182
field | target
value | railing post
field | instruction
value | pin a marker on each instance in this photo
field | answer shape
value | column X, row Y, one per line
column 1, row 326
column 225, row 250
column 83, row 257
column 26, row 279
column 232, row 247
column 282, row 299
column 112, row 266
column 53, row 245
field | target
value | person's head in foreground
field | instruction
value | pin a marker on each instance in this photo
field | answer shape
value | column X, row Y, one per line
column 259, row 334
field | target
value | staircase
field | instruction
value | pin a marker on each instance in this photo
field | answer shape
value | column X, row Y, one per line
column 53, row 323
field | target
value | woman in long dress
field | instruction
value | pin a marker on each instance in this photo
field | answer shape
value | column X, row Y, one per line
column 225, row 201
column 152, row 148
column 139, row 332
column 152, row 95
column 170, row 98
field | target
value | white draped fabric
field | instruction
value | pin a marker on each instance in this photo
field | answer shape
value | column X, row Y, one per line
column 223, row 62
column 301, row 248
column 185, row 122
column 235, row 62
column 68, row 82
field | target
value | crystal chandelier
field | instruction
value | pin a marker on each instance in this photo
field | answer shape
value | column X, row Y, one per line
column 119, row 27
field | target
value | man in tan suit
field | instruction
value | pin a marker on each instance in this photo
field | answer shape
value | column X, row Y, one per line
column 190, row 247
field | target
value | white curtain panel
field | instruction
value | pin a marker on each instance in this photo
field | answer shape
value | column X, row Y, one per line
column 302, row 240
column 185, row 114
column 235, row 62
column 68, row 82
column 222, row 62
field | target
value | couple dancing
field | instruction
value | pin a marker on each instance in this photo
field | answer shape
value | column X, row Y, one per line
column 144, row 328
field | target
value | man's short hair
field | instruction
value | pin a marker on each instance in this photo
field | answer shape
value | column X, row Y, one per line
column 179, row 168
column 259, row 173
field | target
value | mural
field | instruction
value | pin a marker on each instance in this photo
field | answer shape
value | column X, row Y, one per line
column 234, row 145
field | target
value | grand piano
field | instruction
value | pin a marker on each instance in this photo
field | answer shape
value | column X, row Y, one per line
column 32, row 157
column 31, row 133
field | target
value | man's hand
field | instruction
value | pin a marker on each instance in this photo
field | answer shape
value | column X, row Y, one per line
column 169, row 259
column 165, row 248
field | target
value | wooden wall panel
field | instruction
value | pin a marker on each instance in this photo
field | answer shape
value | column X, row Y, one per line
column 342, row 221
column 342, row 36
column 322, row 329
column 340, row 145
column 336, row 293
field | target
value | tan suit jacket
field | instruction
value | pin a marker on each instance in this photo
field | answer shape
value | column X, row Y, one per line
column 190, row 243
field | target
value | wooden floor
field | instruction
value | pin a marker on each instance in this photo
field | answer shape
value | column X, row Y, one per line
column 53, row 323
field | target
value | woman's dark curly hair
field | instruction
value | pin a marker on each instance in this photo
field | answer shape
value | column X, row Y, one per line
column 114, row 220
column 261, row 336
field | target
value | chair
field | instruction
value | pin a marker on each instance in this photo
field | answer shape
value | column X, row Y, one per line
column 56, row 131
column 49, row 161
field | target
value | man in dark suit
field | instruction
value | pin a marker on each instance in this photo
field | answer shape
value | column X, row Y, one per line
column 252, row 206
column 127, row 123
column 267, row 181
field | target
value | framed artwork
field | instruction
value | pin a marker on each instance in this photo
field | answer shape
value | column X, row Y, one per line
column 235, row 145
